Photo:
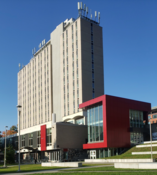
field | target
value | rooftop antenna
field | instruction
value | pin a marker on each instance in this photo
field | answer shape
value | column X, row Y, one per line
column 19, row 66
column 95, row 15
column 81, row 6
column 79, row 9
column 99, row 17
column 32, row 52
column 86, row 11
column 90, row 14
column 39, row 45
column 44, row 41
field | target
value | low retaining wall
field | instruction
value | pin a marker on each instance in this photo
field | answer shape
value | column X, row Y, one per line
column 151, row 165
column 149, row 142
column 146, row 152
column 144, row 146
column 118, row 160
column 62, row 164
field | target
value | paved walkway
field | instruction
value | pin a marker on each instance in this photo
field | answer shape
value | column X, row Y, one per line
column 55, row 170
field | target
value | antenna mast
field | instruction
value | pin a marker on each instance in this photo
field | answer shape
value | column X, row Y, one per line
column 19, row 66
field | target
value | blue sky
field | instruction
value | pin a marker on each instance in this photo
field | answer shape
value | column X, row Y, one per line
column 129, row 44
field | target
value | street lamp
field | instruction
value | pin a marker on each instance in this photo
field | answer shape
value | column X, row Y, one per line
column 0, row 137
column 19, row 113
column 5, row 146
column 151, row 137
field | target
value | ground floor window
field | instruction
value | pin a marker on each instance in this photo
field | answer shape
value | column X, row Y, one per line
column 49, row 137
column 30, row 136
column 136, row 138
column 80, row 121
column 38, row 138
column 23, row 140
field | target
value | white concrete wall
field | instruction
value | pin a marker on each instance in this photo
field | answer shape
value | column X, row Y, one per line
column 62, row 164
column 118, row 160
column 144, row 146
column 56, row 71
column 32, row 83
column 146, row 152
column 150, row 142
column 148, row 165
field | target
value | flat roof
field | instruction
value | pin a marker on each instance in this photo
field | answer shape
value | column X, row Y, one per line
column 155, row 107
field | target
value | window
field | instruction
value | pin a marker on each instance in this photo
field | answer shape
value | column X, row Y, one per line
column 48, row 137
column 30, row 136
column 38, row 138
column 136, row 118
column 149, row 117
column 23, row 140
column 80, row 121
column 136, row 138
column 91, row 28
column 76, row 25
column 155, row 116
column 95, row 123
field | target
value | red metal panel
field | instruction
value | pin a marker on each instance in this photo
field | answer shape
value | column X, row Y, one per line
column 43, row 137
column 116, row 124
column 118, row 127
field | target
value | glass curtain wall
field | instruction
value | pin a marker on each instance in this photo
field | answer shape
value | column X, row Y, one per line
column 136, row 118
column 136, row 138
column 95, row 123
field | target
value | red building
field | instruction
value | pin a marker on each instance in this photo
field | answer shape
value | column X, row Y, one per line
column 114, row 122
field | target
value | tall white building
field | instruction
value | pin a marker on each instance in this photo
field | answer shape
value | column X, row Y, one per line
column 64, row 72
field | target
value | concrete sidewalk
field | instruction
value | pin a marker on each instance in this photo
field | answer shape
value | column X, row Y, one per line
column 52, row 171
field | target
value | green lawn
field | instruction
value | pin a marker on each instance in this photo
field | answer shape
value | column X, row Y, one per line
column 26, row 168
column 128, row 155
column 37, row 167
column 98, row 173
column 1, row 164
column 95, row 164
column 109, row 168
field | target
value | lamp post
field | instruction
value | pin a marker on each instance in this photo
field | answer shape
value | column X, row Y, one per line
column 19, row 113
column 151, row 137
column 0, row 137
column 5, row 146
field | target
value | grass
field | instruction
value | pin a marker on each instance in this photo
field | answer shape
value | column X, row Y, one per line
column 110, row 168
column 128, row 155
column 1, row 164
column 27, row 168
column 37, row 167
column 101, row 173
column 95, row 164
column 148, row 143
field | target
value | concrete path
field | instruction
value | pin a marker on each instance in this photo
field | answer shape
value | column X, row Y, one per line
column 54, row 171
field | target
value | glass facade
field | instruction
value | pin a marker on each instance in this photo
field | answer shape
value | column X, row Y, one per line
column 155, row 116
column 49, row 137
column 136, row 118
column 80, row 121
column 136, row 138
column 136, row 121
column 95, row 123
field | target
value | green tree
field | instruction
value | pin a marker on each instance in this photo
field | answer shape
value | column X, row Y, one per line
column 13, row 128
column 10, row 154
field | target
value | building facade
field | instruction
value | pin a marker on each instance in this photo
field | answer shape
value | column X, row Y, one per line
column 152, row 117
column 65, row 71
column 115, row 123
